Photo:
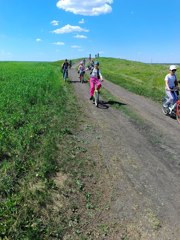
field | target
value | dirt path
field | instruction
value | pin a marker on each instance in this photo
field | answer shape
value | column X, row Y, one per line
column 143, row 164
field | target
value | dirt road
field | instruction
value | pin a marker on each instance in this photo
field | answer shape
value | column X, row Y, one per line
column 142, row 158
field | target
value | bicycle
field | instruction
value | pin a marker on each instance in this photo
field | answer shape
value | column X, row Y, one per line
column 96, row 96
column 81, row 77
column 171, row 110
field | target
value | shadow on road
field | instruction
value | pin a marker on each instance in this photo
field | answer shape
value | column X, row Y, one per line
column 111, row 102
column 105, row 104
column 76, row 81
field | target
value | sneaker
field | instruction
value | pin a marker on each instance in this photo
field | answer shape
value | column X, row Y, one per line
column 91, row 98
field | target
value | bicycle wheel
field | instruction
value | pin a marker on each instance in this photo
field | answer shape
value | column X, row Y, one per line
column 81, row 77
column 165, row 110
column 96, row 97
column 178, row 111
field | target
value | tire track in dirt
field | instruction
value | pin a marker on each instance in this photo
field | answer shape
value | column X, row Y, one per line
column 143, row 164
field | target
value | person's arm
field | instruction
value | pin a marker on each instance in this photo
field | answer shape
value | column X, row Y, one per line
column 167, row 85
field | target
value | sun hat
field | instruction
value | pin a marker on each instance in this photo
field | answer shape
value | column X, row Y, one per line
column 172, row 67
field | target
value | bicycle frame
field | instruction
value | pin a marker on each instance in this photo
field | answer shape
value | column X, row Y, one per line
column 81, row 76
column 65, row 74
column 175, row 113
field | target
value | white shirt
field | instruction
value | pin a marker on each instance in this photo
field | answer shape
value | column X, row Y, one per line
column 171, row 80
column 95, row 73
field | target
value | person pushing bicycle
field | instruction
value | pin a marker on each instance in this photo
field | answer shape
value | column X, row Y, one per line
column 95, row 78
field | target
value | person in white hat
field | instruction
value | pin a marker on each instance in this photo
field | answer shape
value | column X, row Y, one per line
column 170, row 84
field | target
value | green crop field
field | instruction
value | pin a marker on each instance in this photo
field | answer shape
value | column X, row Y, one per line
column 34, row 103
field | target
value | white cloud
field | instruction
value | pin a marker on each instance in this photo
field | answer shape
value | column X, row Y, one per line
column 38, row 40
column 86, row 7
column 55, row 23
column 82, row 21
column 80, row 36
column 75, row 46
column 59, row 43
column 69, row 28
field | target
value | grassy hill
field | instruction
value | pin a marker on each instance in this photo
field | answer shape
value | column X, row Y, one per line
column 140, row 78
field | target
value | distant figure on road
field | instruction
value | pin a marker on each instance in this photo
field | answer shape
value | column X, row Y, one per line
column 70, row 63
column 84, row 61
column 90, row 66
column 90, row 57
column 81, row 71
column 64, row 68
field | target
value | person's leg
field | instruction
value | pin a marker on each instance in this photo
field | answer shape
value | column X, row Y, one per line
column 175, row 97
column 92, row 84
column 98, row 84
column 63, row 73
column 170, row 98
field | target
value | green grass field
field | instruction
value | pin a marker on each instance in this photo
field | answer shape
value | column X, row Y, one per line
column 37, row 111
column 38, row 115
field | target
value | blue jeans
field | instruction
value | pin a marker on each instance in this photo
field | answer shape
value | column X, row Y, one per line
column 172, row 97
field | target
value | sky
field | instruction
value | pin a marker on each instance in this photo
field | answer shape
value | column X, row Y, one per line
column 51, row 30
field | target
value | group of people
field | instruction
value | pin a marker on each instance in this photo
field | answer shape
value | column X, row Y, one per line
column 95, row 75
column 171, row 82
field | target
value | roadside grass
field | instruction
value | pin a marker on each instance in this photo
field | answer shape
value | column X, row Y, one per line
column 153, row 135
column 140, row 78
column 114, row 102
column 38, row 118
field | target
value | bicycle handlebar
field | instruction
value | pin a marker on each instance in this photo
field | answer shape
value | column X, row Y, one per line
column 174, row 89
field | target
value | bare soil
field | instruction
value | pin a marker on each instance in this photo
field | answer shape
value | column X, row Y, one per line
column 138, row 162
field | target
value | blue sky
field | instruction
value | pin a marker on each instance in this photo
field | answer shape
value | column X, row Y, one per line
column 51, row 30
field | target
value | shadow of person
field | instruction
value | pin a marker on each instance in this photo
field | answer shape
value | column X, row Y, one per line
column 111, row 102
column 77, row 81
column 104, row 104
